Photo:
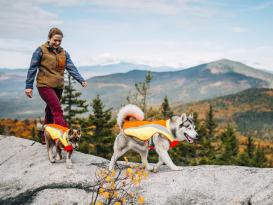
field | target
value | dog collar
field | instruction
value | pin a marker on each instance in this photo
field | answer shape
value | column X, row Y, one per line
column 69, row 147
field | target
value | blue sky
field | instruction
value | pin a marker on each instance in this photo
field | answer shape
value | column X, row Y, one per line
column 179, row 33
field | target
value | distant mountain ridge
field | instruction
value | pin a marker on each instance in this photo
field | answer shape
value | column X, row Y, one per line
column 193, row 84
column 197, row 83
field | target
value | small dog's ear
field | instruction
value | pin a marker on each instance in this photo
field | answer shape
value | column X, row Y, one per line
column 78, row 132
column 70, row 132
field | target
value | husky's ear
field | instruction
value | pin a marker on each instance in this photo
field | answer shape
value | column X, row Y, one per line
column 183, row 117
column 190, row 116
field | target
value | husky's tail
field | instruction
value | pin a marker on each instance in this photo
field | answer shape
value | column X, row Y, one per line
column 129, row 111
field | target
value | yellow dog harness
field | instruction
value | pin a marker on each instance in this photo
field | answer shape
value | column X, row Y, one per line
column 58, row 132
column 144, row 130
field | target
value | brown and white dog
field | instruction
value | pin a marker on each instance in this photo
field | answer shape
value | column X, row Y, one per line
column 61, row 138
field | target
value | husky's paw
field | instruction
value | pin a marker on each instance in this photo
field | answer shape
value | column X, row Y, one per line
column 149, row 168
column 177, row 168
column 69, row 166
column 155, row 170
column 59, row 157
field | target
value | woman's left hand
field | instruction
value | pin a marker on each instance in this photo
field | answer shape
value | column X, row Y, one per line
column 84, row 84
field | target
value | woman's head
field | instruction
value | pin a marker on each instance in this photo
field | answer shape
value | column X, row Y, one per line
column 55, row 37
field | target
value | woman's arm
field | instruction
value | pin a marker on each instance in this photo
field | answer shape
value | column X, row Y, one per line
column 34, row 64
column 72, row 70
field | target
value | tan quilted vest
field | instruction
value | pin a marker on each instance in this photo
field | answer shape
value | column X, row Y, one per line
column 52, row 66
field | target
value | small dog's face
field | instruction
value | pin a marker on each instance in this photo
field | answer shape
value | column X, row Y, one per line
column 184, row 127
column 74, row 136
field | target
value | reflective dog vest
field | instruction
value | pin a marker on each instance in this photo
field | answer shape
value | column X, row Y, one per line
column 144, row 130
column 58, row 132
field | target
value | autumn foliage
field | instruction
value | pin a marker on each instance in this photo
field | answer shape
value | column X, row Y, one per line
column 118, row 186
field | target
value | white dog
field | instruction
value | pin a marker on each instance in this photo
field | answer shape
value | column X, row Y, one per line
column 136, row 135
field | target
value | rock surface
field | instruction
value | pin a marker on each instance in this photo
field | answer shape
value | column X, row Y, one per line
column 27, row 177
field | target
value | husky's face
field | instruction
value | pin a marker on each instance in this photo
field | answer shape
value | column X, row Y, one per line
column 184, row 128
column 74, row 136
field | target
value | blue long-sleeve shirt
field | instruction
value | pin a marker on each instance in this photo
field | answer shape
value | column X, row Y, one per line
column 35, row 62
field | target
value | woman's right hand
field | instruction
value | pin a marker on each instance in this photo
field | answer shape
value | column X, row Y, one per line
column 28, row 92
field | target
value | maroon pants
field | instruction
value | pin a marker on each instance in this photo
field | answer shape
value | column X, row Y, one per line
column 53, row 110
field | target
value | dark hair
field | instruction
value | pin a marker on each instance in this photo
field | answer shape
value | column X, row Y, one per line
column 54, row 31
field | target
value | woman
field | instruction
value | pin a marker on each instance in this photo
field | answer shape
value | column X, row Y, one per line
column 51, row 60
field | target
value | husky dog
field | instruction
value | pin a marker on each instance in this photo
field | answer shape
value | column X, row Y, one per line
column 67, row 139
column 179, row 128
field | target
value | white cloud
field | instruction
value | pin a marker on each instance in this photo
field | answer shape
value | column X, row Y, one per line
column 238, row 29
column 24, row 19
column 14, row 45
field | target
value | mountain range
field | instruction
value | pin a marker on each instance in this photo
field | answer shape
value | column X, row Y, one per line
column 205, row 81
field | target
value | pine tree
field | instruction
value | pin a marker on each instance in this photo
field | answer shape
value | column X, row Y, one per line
column 73, row 105
column 230, row 146
column 2, row 130
column 259, row 159
column 210, row 123
column 102, row 137
column 203, row 147
column 250, row 149
column 207, row 137
column 196, row 121
column 166, row 109
column 246, row 158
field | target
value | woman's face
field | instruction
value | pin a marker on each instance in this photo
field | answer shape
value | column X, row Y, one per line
column 55, row 41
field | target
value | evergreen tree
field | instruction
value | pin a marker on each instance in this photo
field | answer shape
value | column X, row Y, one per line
column 246, row 157
column 196, row 121
column 259, row 159
column 210, row 123
column 250, row 149
column 205, row 151
column 244, row 160
column 73, row 105
column 188, row 156
column 230, row 146
column 2, row 130
column 203, row 147
column 166, row 109
column 102, row 124
column 207, row 137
